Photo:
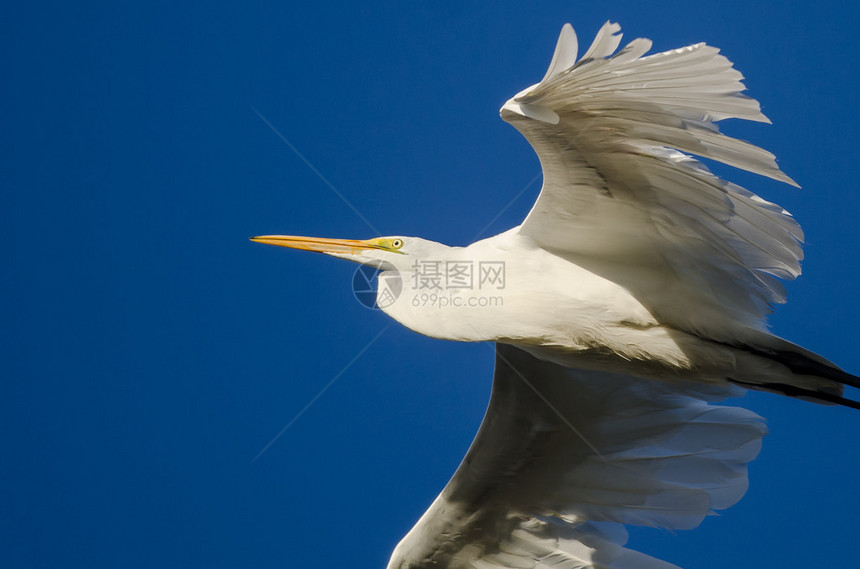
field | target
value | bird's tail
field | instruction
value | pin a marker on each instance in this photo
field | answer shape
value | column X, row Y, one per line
column 810, row 376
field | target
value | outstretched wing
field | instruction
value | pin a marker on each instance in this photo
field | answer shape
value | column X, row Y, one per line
column 564, row 456
column 623, row 197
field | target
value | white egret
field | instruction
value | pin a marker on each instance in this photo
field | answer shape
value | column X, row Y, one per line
column 633, row 294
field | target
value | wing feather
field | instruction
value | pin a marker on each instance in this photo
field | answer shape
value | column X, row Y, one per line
column 615, row 133
column 604, row 43
column 549, row 486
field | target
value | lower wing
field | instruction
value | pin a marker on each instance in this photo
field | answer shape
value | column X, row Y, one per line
column 565, row 456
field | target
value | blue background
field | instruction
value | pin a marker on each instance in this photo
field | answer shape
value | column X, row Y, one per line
column 151, row 352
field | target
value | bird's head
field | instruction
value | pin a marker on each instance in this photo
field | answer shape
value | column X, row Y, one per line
column 416, row 281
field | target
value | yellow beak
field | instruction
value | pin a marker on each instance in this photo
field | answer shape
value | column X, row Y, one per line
column 318, row 244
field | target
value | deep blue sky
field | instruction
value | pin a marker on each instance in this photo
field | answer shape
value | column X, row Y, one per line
column 151, row 351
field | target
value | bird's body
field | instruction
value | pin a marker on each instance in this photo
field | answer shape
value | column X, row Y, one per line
column 559, row 311
column 635, row 291
column 544, row 299
column 547, row 304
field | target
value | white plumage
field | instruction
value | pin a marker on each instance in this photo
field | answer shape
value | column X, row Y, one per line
column 634, row 294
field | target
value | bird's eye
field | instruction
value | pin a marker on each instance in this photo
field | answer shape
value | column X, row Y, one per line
column 397, row 243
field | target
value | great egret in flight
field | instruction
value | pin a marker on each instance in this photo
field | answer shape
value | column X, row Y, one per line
column 633, row 294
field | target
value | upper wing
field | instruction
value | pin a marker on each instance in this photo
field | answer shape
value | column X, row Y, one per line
column 563, row 456
column 621, row 197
